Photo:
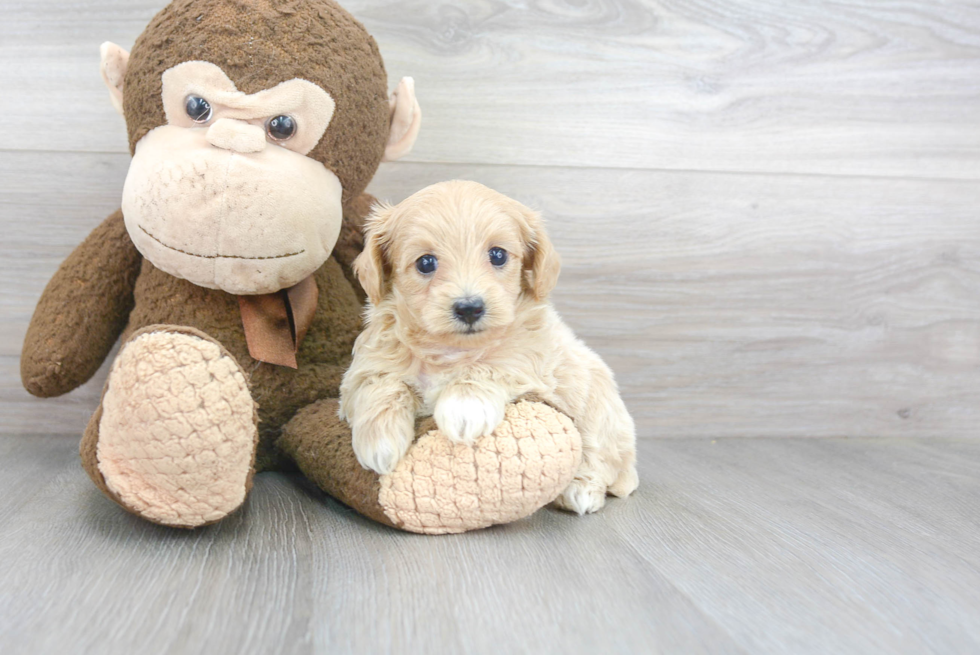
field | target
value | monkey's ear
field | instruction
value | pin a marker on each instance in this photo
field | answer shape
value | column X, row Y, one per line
column 541, row 262
column 406, row 119
column 370, row 266
column 114, row 63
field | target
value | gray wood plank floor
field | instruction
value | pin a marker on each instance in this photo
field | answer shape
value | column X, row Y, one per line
column 769, row 215
column 731, row 545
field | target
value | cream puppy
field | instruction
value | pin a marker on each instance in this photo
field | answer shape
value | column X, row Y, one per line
column 459, row 325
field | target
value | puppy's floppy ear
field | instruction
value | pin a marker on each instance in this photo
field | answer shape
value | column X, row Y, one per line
column 370, row 266
column 541, row 263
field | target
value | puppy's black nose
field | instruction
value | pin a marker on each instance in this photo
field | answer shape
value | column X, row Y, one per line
column 469, row 310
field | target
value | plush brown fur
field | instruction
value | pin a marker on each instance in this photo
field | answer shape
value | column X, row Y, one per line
column 105, row 289
column 319, row 442
column 260, row 43
column 105, row 286
column 81, row 312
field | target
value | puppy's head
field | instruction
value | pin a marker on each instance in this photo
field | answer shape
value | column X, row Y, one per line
column 457, row 259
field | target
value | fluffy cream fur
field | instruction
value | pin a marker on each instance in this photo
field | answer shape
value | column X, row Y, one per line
column 415, row 358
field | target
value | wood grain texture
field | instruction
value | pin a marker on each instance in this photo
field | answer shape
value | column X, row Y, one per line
column 728, row 305
column 770, row 222
column 744, row 305
column 734, row 546
column 873, row 88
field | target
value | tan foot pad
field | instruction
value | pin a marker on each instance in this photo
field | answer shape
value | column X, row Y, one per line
column 177, row 435
column 440, row 487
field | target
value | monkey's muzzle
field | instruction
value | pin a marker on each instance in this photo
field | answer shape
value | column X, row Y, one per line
column 244, row 222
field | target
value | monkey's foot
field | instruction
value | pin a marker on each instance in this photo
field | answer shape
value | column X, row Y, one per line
column 441, row 487
column 177, row 436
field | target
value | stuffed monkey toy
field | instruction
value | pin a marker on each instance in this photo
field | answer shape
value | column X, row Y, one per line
column 255, row 127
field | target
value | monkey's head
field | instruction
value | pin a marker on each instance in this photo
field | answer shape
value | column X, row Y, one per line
column 252, row 123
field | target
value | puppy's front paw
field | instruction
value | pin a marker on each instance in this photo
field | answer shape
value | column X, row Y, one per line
column 464, row 417
column 380, row 444
column 582, row 497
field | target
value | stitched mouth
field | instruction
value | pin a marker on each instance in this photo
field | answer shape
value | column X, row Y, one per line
column 194, row 254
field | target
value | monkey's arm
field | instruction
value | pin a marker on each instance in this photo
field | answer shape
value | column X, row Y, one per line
column 350, row 243
column 82, row 311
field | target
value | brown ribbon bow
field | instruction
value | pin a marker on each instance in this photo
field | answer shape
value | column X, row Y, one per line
column 275, row 323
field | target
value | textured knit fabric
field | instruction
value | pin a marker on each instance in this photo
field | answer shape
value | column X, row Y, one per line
column 441, row 487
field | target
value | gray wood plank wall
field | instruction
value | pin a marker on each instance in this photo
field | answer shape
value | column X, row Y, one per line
column 769, row 211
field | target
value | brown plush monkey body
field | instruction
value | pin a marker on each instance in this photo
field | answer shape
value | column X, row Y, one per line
column 278, row 391
column 255, row 127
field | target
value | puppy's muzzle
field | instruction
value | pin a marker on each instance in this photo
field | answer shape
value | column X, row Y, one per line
column 469, row 310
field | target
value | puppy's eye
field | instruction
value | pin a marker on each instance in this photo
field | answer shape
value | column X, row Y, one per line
column 498, row 256
column 198, row 109
column 426, row 264
column 281, row 128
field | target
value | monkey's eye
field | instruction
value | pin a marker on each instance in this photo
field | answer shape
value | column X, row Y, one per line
column 426, row 264
column 198, row 109
column 498, row 257
column 281, row 128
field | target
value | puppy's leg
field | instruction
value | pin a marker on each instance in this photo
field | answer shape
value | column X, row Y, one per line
column 468, row 409
column 627, row 481
column 608, row 449
column 381, row 414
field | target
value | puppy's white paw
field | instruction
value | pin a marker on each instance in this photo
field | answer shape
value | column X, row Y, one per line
column 380, row 444
column 582, row 497
column 464, row 418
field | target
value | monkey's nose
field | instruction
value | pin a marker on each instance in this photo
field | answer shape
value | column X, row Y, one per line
column 469, row 310
column 232, row 134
